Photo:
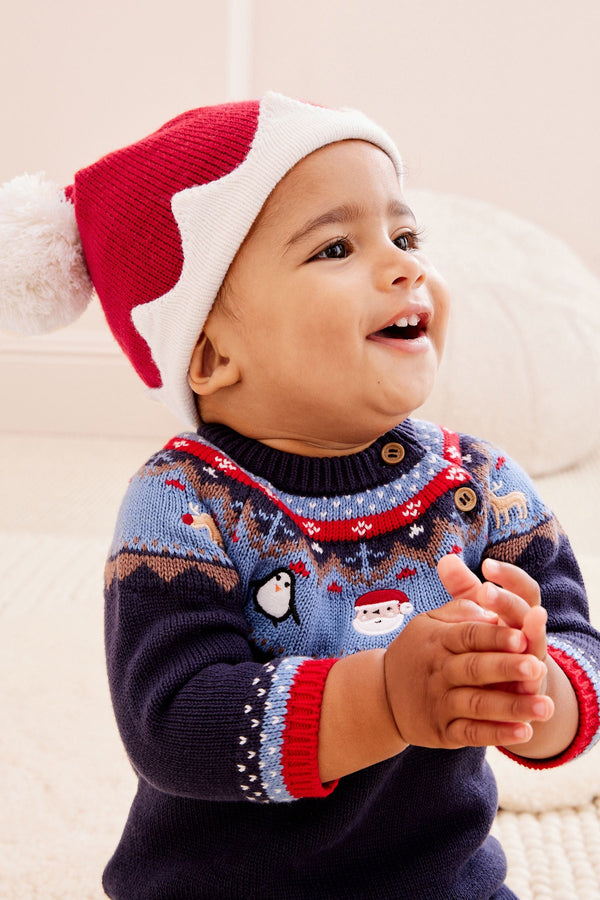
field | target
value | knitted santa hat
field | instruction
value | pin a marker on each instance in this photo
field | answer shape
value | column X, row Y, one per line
column 382, row 598
column 154, row 227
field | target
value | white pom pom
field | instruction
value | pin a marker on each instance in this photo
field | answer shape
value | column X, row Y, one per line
column 44, row 282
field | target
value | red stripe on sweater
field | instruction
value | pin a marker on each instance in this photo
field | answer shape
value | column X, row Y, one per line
column 353, row 529
column 451, row 450
column 299, row 753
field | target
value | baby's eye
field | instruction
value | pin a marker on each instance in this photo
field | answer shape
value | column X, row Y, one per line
column 407, row 241
column 337, row 250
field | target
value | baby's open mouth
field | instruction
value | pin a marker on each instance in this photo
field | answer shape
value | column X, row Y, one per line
column 406, row 329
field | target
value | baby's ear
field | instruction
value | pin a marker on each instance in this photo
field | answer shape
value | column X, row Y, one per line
column 209, row 370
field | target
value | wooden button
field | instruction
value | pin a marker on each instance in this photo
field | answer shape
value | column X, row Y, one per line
column 465, row 499
column 392, row 453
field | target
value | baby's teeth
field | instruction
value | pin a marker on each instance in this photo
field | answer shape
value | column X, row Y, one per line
column 414, row 320
column 401, row 323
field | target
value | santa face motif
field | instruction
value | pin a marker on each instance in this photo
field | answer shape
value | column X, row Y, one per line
column 380, row 612
column 274, row 596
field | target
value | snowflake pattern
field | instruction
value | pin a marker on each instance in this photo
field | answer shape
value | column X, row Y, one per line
column 260, row 767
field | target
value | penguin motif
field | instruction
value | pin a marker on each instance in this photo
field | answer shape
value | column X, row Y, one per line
column 274, row 596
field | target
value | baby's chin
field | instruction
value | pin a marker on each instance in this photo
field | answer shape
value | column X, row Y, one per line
column 321, row 431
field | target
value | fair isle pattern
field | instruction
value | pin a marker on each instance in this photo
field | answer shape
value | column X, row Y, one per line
column 225, row 545
column 278, row 742
column 248, row 762
column 438, row 475
column 276, row 707
column 289, row 742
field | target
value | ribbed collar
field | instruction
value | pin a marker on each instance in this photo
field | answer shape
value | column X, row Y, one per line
column 318, row 476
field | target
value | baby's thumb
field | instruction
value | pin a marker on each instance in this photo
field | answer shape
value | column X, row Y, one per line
column 457, row 578
column 462, row 610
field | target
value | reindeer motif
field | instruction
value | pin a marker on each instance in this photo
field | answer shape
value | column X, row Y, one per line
column 198, row 519
column 503, row 505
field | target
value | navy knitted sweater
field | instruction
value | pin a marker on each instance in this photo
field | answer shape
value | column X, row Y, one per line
column 237, row 576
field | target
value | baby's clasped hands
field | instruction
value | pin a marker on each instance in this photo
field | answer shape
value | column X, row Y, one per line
column 473, row 672
column 510, row 593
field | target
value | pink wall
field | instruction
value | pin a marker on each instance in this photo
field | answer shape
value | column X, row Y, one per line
column 497, row 101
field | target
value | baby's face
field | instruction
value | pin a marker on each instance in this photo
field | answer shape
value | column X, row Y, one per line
column 339, row 319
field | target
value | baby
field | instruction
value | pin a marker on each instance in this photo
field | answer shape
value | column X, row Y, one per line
column 319, row 611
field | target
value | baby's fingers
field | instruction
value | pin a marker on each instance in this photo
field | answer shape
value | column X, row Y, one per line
column 485, row 705
column 534, row 629
column 515, row 612
column 481, row 637
column 480, row 669
column 510, row 608
column 457, row 578
column 513, row 579
column 486, row 718
column 470, row 733
column 463, row 610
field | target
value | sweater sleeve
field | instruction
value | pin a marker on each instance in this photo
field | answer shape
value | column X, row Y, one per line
column 200, row 716
column 523, row 531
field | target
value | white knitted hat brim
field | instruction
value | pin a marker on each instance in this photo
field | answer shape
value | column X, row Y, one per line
column 287, row 131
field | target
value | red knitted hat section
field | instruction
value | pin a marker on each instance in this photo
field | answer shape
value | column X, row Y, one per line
column 387, row 595
column 130, row 239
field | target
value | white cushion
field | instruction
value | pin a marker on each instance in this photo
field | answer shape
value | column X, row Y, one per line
column 522, row 361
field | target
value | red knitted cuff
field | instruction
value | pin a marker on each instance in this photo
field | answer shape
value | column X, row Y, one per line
column 299, row 754
column 589, row 719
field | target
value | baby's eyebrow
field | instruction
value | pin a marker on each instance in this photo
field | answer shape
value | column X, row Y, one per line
column 342, row 215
